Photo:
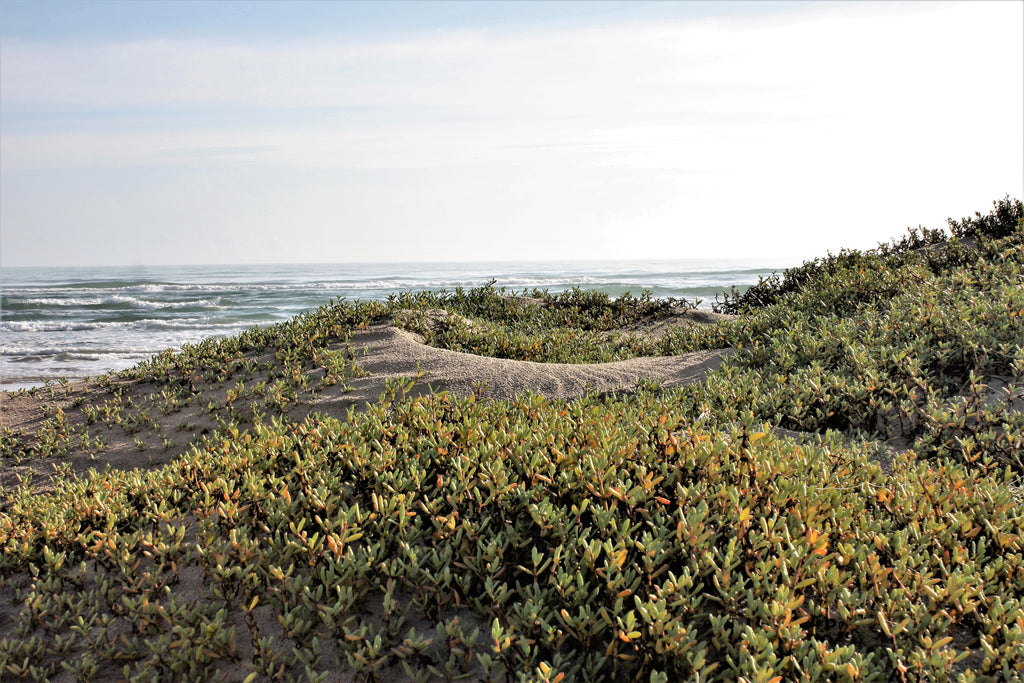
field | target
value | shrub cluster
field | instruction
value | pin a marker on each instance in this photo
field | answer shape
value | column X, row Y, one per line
column 656, row 535
column 599, row 540
column 905, row 348
column 573, row 326
column 939, row 250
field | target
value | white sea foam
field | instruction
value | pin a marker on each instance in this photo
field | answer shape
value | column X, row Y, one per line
column 95, row 353
column 156, row 324
column 115, row 300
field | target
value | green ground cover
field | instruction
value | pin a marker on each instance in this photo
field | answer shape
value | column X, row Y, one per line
column 760, row 525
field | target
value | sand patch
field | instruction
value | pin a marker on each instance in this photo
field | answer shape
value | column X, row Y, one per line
column 389, row 353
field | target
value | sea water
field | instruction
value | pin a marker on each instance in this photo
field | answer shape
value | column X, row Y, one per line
column 78, row 322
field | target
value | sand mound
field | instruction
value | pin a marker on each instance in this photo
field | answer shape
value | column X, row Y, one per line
column 392, row 353
column 385, row 352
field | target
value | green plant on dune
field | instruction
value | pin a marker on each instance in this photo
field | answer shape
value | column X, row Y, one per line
column 597, row 538
column 938, row 250
column 742, row 528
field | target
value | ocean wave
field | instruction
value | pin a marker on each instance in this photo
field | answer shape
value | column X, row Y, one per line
column 205, row 324
column 112, row 301
column 344, row 284
column 36, row 355
column 222, row 287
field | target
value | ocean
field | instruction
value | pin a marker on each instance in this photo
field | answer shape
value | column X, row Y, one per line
column 79, row 322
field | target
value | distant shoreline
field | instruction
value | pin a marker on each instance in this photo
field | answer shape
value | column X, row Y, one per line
column 87, row 322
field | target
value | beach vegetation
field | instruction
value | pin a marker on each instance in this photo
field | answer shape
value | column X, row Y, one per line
column 840, row 500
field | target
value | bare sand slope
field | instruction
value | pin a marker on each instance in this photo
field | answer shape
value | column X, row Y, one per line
column 392, row 353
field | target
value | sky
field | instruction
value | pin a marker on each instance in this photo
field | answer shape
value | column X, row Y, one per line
column 160, row 133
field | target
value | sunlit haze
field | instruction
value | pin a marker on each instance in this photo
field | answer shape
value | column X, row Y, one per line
column 200, row 132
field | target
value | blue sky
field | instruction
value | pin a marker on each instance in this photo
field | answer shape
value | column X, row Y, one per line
column 114, row 19
column 248, row 132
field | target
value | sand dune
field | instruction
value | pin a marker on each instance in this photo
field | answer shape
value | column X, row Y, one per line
column 384, row 351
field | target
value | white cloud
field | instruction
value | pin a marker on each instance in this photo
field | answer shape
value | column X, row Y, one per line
column 876, row 108
column 649, row 84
